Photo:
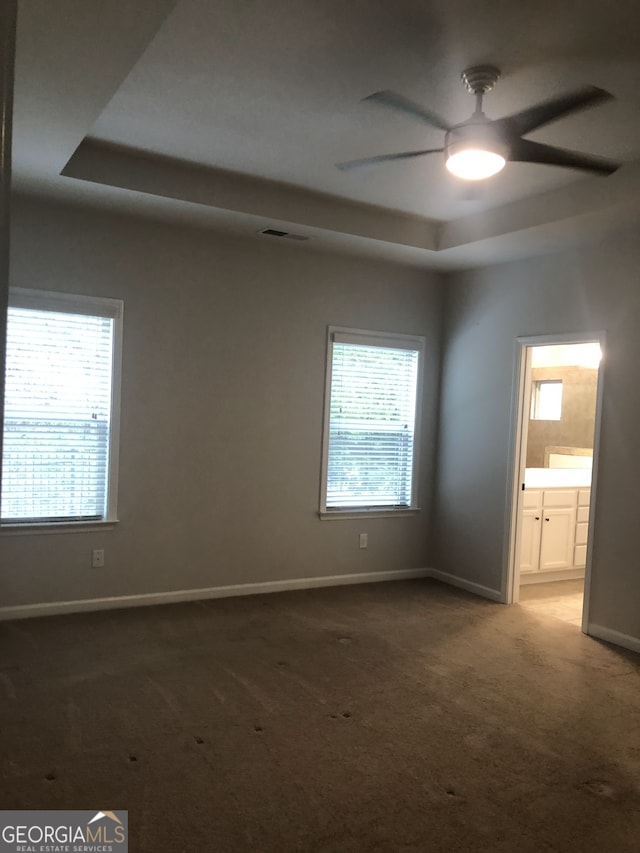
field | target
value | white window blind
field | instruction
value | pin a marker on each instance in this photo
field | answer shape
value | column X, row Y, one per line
column 58, row 408
column 370, row 457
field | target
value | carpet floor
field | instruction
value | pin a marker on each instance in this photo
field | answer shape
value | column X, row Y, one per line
column 401, row 716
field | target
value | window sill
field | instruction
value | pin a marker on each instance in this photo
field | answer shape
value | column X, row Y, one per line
column 375, row 512
column 28, row 529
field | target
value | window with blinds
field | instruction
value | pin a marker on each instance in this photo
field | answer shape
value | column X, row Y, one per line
column 60, row 419
column 370, row 447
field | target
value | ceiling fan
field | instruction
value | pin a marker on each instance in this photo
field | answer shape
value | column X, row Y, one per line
column 479, row 147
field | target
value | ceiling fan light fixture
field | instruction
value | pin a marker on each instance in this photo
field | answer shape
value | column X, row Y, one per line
column 475, row 151
column 474, row 164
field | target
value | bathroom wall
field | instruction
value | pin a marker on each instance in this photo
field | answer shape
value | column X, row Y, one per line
column 577, row 422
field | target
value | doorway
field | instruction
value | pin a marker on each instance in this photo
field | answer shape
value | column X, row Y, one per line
column 558, row 407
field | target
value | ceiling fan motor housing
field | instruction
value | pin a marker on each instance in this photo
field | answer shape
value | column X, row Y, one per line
column 480, row 79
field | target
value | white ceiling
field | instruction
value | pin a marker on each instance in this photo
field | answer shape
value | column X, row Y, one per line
column 232, row 115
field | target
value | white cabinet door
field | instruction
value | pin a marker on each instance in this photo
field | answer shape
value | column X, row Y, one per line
column 580, row 557
column 582, row 528
column 557, row 538
column 530, row 539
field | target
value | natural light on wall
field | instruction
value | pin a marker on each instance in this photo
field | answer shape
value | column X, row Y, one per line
column 567, row 355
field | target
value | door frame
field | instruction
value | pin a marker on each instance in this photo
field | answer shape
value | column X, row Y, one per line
column 517, row 458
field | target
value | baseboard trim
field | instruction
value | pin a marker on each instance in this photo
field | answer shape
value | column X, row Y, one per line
column 527, row 578
column 469, row 586
column 56, row 608
column 615, row 637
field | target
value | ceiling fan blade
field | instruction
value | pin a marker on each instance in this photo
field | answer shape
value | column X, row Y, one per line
column 526, row 151
column 391, row 99
column 537, row 116
column 385, row 158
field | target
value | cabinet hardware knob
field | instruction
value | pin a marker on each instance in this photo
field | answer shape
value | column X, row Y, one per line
column 537, row 518
column 546, row 519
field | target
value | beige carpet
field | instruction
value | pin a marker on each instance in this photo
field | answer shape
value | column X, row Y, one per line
column 396, row 717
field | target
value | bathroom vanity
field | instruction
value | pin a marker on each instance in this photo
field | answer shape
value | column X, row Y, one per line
column 555, row 521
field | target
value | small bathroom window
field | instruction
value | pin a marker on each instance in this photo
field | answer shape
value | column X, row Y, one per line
column 546, row 400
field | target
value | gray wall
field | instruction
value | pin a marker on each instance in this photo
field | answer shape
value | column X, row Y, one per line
column 583, row 290
column 222, row 401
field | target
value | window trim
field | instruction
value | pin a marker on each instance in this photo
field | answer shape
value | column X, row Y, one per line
column 364, row 337
column 95, row 306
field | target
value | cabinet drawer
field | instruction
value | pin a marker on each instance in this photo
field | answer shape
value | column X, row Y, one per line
column 583, row 513
column 532, row 498
column 560, row 497
column 584, row 497
column 581, row 533
column 580, row 559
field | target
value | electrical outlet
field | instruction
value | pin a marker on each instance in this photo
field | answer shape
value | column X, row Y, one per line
column 97, row 558
column 364, row 540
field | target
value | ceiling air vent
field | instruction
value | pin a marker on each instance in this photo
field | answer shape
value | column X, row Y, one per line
column 273, row 232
